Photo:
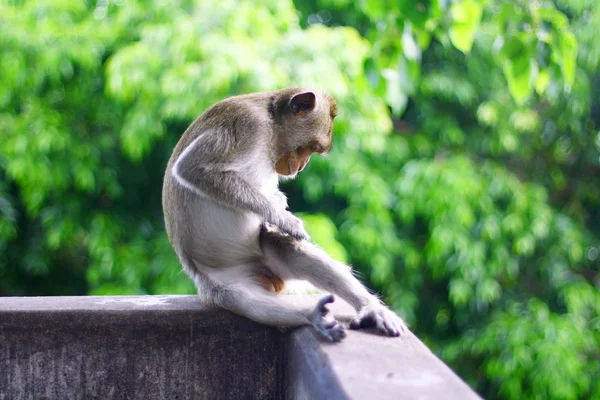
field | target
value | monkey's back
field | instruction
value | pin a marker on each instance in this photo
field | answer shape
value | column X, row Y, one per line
column 199, row 228
column 206, row 232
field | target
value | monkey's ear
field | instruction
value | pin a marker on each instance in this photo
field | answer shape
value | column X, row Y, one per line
column 303, row 102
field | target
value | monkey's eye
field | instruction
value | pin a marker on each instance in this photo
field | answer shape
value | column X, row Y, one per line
column 315, row 147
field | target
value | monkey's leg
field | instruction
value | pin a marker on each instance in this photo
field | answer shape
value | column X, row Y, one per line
column 298, row 259
column 253, row 301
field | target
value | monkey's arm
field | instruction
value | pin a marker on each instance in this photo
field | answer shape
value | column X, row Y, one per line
column 204, row 169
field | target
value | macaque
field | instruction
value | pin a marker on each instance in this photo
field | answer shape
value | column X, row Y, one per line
column 229, row 223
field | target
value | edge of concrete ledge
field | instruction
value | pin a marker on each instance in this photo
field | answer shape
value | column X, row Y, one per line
column 362, row 366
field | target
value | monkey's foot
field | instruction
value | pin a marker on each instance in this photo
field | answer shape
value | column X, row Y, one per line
column 385, row 321
column 328, row 328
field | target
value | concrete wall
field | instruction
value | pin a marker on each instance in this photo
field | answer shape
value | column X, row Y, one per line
column 171, row 347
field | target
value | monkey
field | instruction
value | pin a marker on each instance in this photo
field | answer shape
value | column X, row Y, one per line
column 230, row 226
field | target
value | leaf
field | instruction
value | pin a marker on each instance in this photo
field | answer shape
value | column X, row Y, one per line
column 517, row 66
column 409, row 46
column 376, row 10
column 460, row 292
column 542, row 82
column 552, row 15
column 568, row 56
column 488, row 114
column 513, row 47
column 466, row 16
column 489, row 290
column 518, row 74
column 84, row 178
column 395, row 93
column 525, row 245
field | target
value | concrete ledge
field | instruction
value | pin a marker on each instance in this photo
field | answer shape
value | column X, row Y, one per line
column 172, row 347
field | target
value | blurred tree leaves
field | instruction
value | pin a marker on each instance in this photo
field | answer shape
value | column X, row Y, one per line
column 466, row 16
column 463, row 183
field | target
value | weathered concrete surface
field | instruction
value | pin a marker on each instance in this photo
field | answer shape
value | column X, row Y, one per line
column 171, row 347
column 369, row 367
column 159, row 347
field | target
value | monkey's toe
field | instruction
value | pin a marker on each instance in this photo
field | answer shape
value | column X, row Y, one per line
column 336, row 333
column 322, row 304
column 385, row 321
column 366, row 321
column 332, row 331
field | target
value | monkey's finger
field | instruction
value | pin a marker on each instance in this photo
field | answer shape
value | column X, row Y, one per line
column 368, row 321
column 337, row 333
column 389, row 330
column 355, row 323
column 331, row 332
column 330, row 324
column 322, row 304
column 327, row 299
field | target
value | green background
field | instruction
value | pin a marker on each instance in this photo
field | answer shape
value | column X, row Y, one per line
column 464, row 181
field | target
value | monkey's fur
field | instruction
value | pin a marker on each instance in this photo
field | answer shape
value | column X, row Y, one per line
column 229, row 224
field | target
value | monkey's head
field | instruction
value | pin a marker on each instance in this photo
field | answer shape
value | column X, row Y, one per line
column 303, row 125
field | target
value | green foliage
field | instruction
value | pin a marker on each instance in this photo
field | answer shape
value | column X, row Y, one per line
column 466, row 16
column 536, row 42
column 463, row 183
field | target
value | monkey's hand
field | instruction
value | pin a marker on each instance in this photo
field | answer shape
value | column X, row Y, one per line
column 328, row 328
column 381, row 318
column 292, row 225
